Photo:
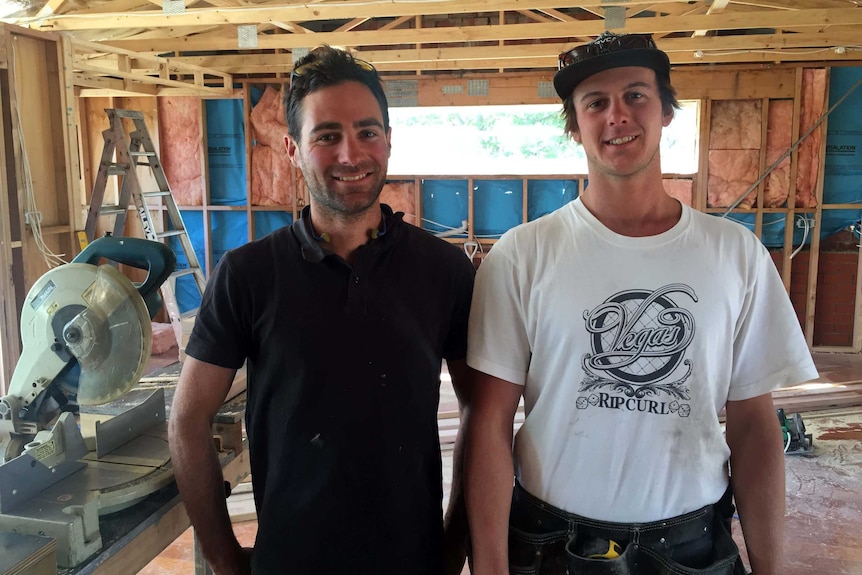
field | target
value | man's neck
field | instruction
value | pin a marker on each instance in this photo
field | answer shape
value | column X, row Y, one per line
column 633, row 207
column 343, row 235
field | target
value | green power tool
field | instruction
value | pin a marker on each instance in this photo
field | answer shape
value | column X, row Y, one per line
column 796, row 441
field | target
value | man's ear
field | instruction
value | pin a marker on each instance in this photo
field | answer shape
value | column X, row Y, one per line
column 576, row 136
column 292, row 148
column 666, row 118
column 389, row 141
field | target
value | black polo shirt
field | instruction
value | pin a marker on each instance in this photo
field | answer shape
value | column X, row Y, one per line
column 343, row 386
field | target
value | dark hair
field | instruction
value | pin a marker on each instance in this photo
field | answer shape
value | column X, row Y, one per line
column 610, row 50
column 322, row 67
column 666, row 92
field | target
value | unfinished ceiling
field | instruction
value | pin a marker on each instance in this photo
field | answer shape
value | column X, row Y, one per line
column 210, row 43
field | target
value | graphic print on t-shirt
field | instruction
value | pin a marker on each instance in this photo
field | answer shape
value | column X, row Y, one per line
column 638, row 340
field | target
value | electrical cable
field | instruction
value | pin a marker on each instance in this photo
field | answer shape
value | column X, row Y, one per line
column 807, row 224
column 32, row 215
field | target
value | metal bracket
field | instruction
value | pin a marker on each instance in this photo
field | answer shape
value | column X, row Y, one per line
column 26, row 476
column 125, row 427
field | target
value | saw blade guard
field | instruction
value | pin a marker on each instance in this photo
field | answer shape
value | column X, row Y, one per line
column 111, row 338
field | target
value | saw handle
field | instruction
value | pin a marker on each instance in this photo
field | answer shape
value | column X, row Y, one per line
column 157, row 258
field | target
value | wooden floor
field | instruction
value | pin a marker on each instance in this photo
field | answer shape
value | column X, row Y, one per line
column 824, row 490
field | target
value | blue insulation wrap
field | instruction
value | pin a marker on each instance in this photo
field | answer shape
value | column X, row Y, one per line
column 229, row 230
column 444, row 205
column 226, row 152
column 842, row 182
column 268, row 222
column 498, row 206
column 545, row 196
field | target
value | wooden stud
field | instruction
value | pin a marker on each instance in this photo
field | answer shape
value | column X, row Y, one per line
column 814, row 255
column 701, row 181
column 246, row 118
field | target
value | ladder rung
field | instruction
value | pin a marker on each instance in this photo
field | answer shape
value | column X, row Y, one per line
column 133, row 114
column 183, row 272
column 116, row 169
column 154, row 194
column 147, row 154
column 170, row 233
column 108, row 209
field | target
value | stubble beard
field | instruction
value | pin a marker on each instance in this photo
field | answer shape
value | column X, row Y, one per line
column 331, row 203
column 610, row 171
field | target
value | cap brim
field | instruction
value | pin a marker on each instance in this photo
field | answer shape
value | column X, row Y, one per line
column 569, row 77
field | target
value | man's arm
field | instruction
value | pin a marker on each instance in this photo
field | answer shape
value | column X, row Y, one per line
column 489, row 471
column 757, row 475
column 455, row 519
column 200, row 393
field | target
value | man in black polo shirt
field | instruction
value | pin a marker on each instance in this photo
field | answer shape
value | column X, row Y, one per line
column 343, row 319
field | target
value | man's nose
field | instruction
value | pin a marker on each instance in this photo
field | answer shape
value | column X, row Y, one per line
column 350, row 152
column 618, row 112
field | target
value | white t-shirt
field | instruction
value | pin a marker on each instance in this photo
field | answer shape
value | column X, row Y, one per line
column 627, row 349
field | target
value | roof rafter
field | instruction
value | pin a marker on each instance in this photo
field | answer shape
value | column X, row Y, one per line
column 665, row 24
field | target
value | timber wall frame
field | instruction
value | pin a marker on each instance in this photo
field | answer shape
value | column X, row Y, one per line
column 38, row 127
column 68, row 193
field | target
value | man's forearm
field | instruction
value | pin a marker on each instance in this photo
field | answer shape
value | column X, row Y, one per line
column 201, row 484
column 489, row 478
column 757, row 474
column 455, row 519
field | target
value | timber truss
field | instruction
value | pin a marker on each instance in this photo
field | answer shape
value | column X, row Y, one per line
column 199, row 47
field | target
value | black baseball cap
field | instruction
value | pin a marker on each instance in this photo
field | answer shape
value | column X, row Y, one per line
column 607, row 51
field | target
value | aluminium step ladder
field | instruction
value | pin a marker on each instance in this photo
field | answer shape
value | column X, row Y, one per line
column 139, row 152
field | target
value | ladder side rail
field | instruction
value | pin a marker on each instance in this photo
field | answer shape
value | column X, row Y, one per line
column 130, row 188
column 97, row 197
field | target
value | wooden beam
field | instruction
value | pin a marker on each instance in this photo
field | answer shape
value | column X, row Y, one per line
column 50, row 7
column 301, row 13
column 716, row 7
column 123, row 69
column 293, row 27
column 680, row 50
column 557, row 15
column 535, row 17
column 352, row 24
column 726, row 21
column 396, row 23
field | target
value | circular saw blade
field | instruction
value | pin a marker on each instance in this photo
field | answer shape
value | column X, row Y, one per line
column 111, row 338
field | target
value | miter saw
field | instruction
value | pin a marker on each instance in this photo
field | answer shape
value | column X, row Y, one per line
column 86, row 332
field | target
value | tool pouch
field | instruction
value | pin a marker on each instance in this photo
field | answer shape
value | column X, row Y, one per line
column 723, row 559
column 639, row 559
column 625, row 564
column 531, row 553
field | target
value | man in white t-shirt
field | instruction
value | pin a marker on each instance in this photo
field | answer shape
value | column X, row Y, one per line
column 627, row 321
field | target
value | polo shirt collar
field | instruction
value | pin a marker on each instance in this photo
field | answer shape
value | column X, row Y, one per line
column 312, row 246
